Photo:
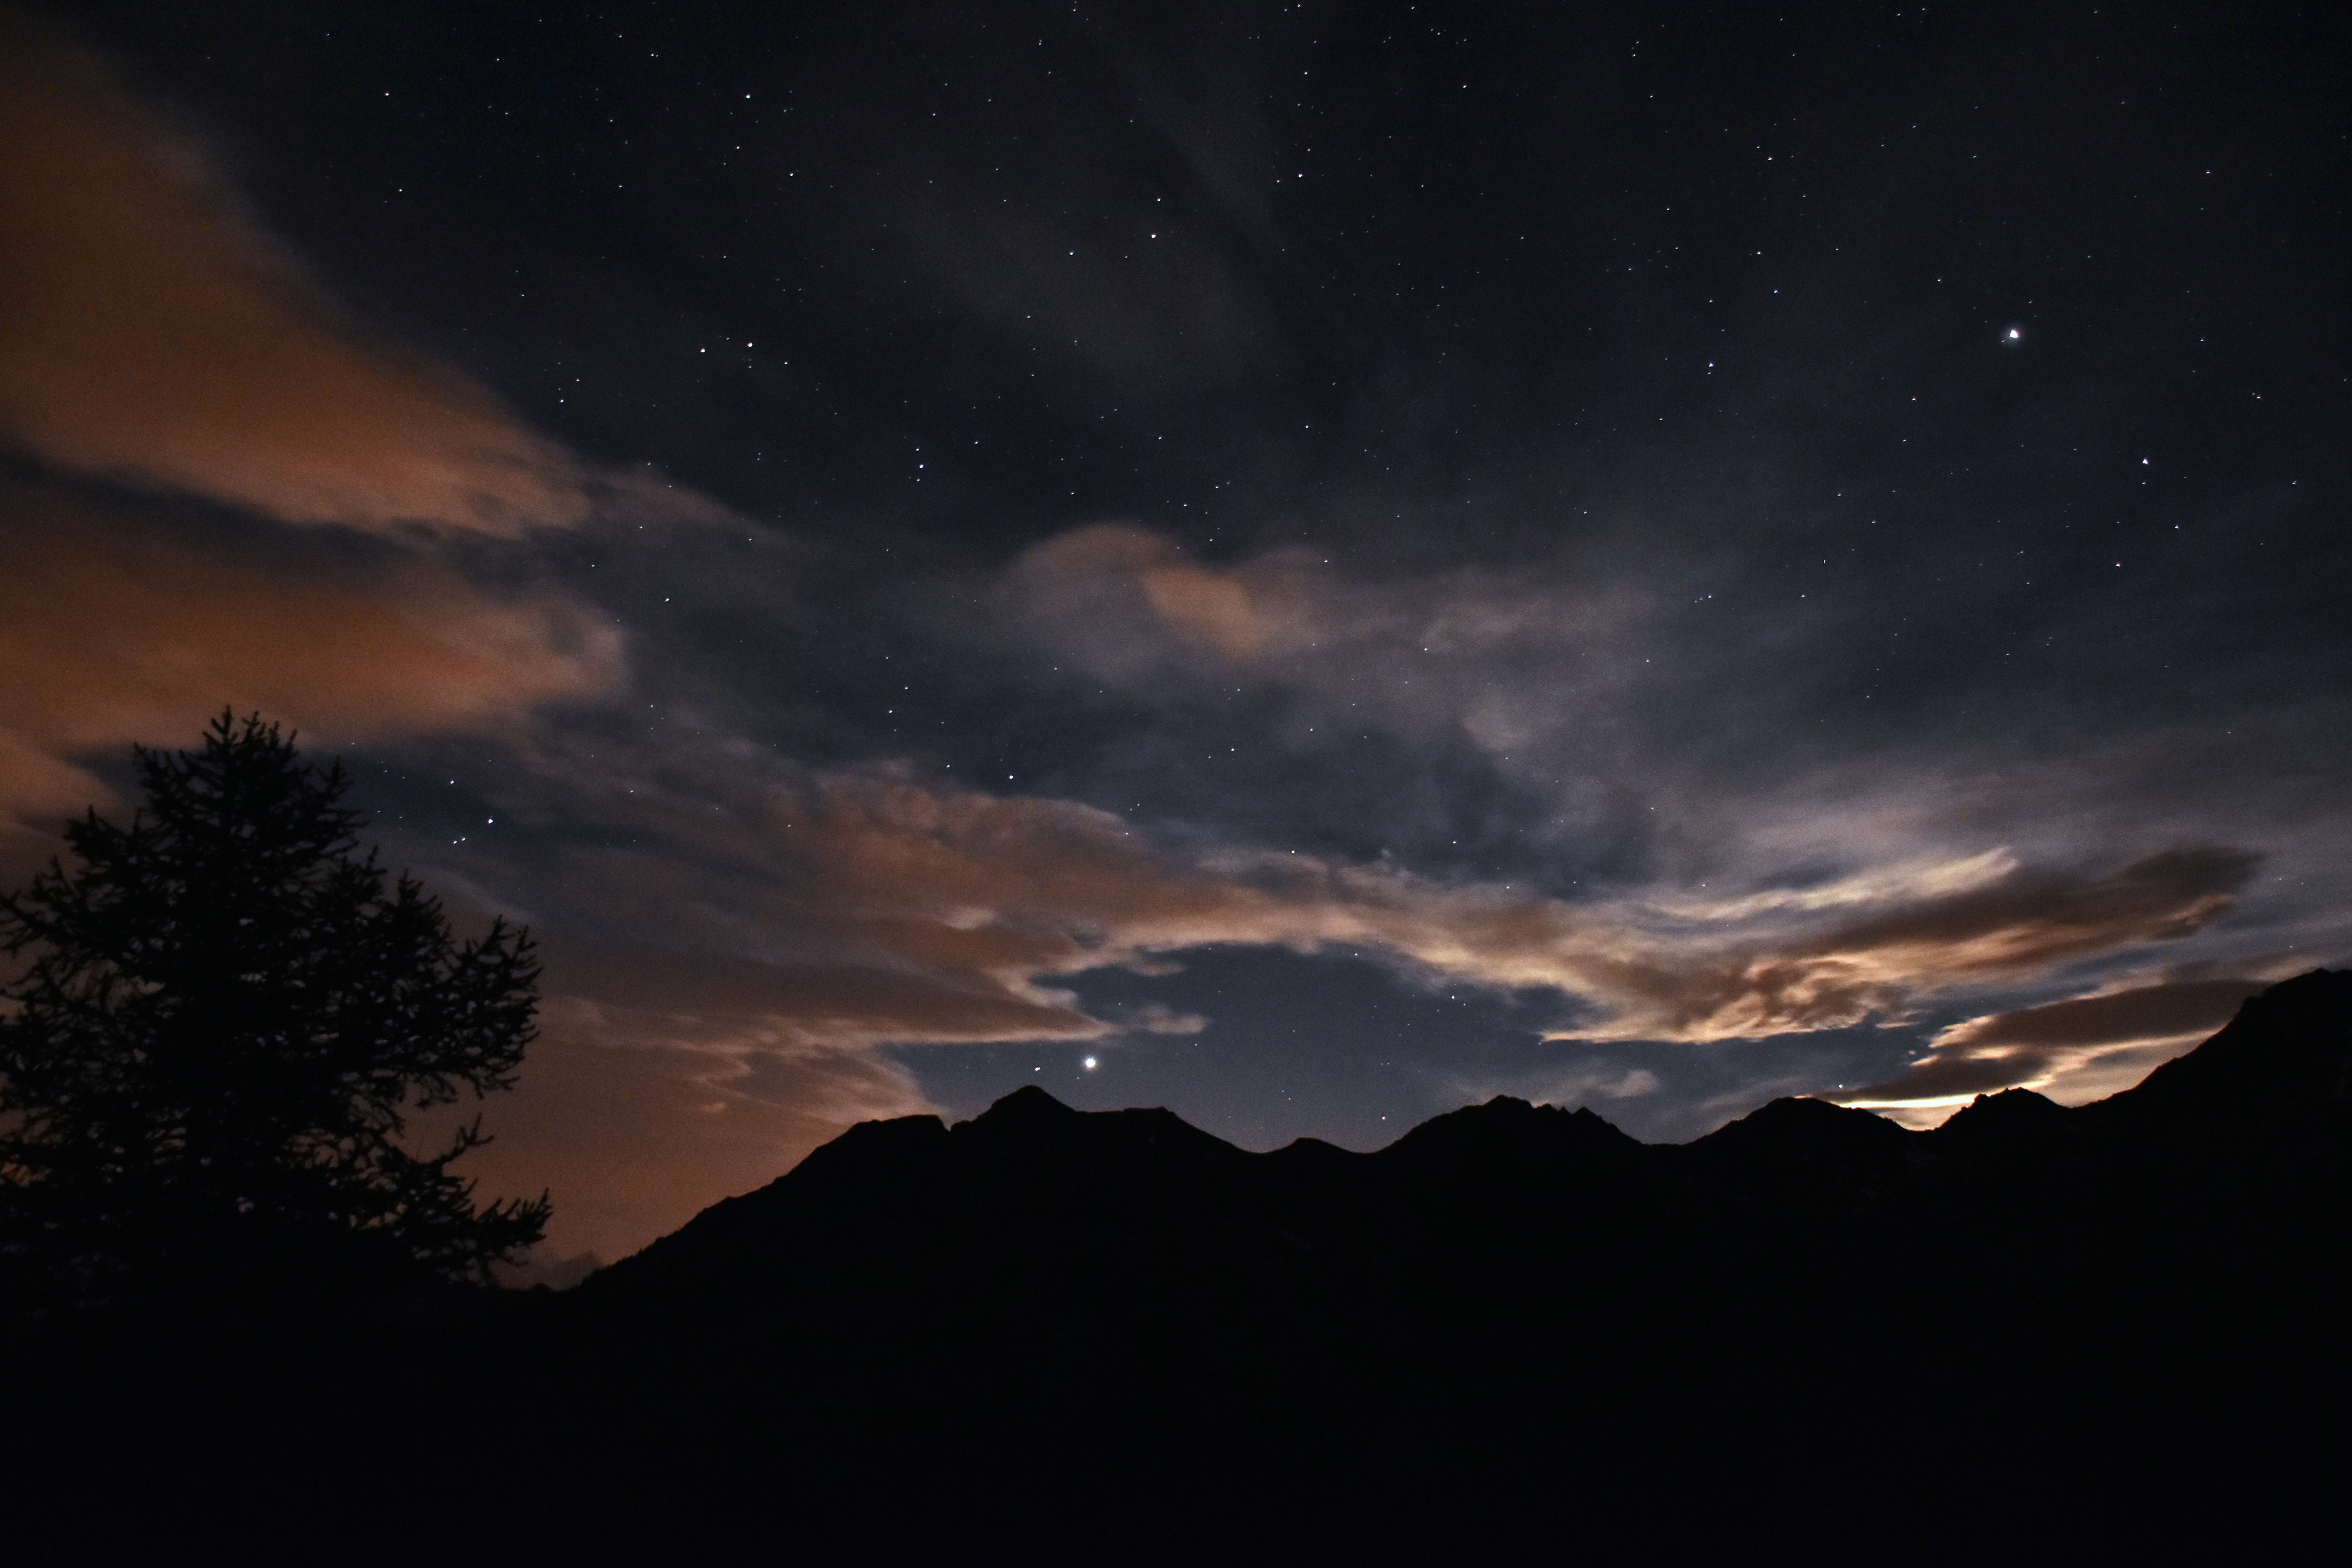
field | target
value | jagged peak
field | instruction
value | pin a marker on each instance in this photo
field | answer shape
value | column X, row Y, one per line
column 1306, row 1149
column 2009, row 1106
column 1802, row 1116
column 894, row 1127
column 1030, row 1116
column 1028, row 1103
column 1508, row 1124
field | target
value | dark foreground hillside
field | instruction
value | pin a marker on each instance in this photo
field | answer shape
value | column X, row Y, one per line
column 2039, row 1334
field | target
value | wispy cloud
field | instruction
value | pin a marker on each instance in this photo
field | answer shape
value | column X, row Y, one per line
column 1917, row 941
column 1568, row 1086
column 913, row 913
column 111, row 635
column 158, row 335
column 2075, row 1050
column 792, row 925
column 1132, row 605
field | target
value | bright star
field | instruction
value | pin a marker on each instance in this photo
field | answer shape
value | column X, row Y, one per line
column 2014, row 335
column 1090, row 1064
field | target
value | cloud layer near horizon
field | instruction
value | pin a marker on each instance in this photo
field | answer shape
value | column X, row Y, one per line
column 811, row 920
column 2076, row 1049
column 871, row 908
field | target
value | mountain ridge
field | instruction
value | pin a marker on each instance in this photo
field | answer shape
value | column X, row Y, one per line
column 2103, row 1332
column 1808, row 1160
column 2133, row 1294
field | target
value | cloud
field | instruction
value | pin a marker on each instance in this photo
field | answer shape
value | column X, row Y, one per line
column 1541, row 680
column 2163, row 1011
column 1158, row 1018
column 110, row 635
column 1601, row 729
column 2075, row 1050
column 1917, row 938
column 1878, row 885
column 1567, row 1086
column 156, row 335
column 730, row 931
column 1131, row 605
column 883, row 910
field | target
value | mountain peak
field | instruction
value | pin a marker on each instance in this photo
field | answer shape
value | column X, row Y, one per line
column 1026, row 1106
column 1508, row 1134
column 1801, row 1117
column 2011, row 1122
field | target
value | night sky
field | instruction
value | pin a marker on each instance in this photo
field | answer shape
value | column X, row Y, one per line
column 1306, row 564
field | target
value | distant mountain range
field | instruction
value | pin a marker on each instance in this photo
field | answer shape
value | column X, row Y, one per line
column 2035, row 1333
column 1032, row 1203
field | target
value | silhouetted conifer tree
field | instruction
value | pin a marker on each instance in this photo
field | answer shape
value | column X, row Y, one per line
column 218, row 1020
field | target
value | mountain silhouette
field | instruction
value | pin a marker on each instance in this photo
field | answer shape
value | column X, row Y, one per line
column 1052, row 1199
column 2036, row 1331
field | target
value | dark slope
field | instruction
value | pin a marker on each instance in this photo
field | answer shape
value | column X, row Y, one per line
column 1030, row 1183
column 2283, row 1062
column 1701, row 1343
column 2035, row 1333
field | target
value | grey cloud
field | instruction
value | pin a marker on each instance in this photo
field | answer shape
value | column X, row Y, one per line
column 1574, row 1085
column 1147, row 300
column 1531, row 670
column 2033, row 917
column 2146, row 1012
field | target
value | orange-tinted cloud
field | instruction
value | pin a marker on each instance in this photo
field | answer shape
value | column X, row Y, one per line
column 2078, row 1049
column 748, row 924
column 110, row 636
column 1935, row 932
column 1126, row 601
column 2162, row 1011
column 885, row 911
column 156, row 335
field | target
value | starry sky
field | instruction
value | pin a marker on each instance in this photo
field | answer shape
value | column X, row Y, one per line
column 1310, row 565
